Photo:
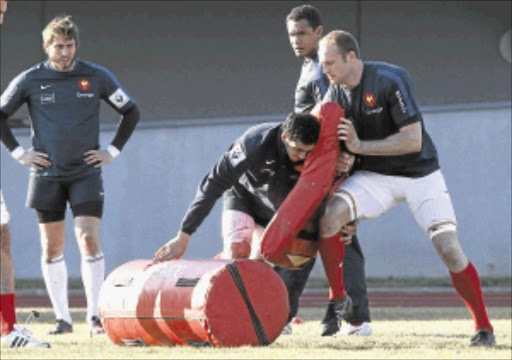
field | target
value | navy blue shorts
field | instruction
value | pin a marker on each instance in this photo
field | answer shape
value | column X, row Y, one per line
column 54, row 194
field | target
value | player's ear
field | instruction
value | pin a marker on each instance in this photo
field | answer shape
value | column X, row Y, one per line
column 319, row 31
column 283, row 136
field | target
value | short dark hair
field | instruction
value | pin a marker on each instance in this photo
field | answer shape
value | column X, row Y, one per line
column 302, row 127
column 308, row 12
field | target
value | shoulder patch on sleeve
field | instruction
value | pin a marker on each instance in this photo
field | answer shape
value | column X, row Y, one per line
column 236, row 154
column 119, row 98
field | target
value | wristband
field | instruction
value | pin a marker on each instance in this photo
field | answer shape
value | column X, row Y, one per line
column 113, row 151
column 18, row 153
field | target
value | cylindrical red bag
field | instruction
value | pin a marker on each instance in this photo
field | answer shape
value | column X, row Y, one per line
column 280, row 244
column 194, row 302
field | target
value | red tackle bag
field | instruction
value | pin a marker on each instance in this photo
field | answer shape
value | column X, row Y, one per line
column 194, row 302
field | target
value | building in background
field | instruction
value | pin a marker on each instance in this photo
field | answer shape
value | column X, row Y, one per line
column 202, row 72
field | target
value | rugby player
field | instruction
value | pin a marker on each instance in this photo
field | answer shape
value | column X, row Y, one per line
column 63, row 95
column 397, row 162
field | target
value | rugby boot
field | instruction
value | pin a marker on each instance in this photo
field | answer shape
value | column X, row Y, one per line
column 22, row 337
column 359, row 329
column 95, row 326
column 337, row 310
column 61, row 327
column 483, row 337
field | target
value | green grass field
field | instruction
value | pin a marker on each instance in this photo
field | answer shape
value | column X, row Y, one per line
column 398, row 333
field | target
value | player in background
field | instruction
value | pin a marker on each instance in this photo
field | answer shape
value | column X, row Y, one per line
column 63, row 95
column 305, row 30
column 397, row 162
column 12, row 334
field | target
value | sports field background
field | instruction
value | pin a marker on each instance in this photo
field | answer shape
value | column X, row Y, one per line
column 203, row 72
column 398, row 333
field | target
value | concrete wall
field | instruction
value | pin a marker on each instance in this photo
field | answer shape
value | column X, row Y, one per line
column 202, row 72
column 149, row 187
column 190, row 59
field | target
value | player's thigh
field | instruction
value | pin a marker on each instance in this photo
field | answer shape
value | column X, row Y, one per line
column 430, row 202
column 237, row 226
column 237, row 232
column 368, row 194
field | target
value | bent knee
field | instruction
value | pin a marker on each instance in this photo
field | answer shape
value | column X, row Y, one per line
column 337, row 213
column 444, row 238
column 238, row 250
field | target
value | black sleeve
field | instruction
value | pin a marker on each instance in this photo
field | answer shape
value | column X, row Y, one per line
column 223, row 176
column 6, row 134
column 127, row 124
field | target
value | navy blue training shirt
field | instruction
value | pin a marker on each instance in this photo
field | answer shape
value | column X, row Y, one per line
column 64, row 109
column 382, row 103
column 311, row 87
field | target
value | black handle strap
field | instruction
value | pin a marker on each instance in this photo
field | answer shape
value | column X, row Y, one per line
column 258, row 327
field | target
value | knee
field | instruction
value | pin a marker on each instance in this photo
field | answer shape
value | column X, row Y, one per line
column 89, row 243
column 237, row 244
column 238, row 250
column 444, row 239
column 335, row 216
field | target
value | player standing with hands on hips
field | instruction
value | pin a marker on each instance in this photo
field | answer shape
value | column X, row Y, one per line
column 397, row 162
column 63, row 95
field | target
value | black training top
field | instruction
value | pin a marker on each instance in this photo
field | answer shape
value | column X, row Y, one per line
column 382, row 103
column 64, row 109
column 256, row 167
column 312, row 86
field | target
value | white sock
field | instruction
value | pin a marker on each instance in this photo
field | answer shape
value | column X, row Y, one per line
column 55, row 275
column 93, row 274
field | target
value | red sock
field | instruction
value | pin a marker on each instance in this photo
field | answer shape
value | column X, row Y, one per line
column 332, row 252
column 7, row 313
column 469, row 288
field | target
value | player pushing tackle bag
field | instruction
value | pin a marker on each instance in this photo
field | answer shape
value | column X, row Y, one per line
column 193, row 302
column 280, row 244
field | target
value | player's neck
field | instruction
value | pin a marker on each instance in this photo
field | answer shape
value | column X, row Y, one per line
column 355, row 77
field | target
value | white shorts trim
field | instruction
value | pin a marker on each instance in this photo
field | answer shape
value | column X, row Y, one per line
column 427, row 197
column 238, row 227
column 4, row 214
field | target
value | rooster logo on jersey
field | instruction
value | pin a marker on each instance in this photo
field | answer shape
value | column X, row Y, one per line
column 369, row 99
column 83, row 84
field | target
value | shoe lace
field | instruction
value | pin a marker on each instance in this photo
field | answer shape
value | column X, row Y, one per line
column 23, row 331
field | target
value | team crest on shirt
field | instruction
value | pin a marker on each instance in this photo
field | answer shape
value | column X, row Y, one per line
column 236, row 154
column 370, row 100
column 84, row 84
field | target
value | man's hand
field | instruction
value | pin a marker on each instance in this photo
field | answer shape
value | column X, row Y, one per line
column 347, row 232
column 345, row 163
column 347, row 133
column 98, row 158
column 174, row 249
column 35, row 159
